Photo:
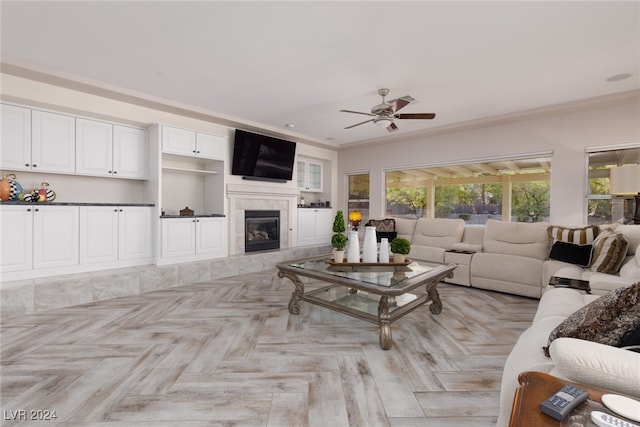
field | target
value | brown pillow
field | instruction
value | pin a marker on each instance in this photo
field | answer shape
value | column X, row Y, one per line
column 610, row 320
column 609, row 251
column 578, row 236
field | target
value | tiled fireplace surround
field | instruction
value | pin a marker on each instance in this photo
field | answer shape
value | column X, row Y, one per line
column 36, row 295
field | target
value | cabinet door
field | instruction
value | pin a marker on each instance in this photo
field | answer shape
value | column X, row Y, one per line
column 135, row 232
column 53, row 142
column 324, row 225
column 306, row 226
column 16, row 240
column 15, row 144
column 314, row 176
column 178, row 141
column 94, row 148
column 178, row 237
column 55, row 236
column 98, row 234
column 210, row 236
column 211, row 146
column 302, row 175
column 130, row 152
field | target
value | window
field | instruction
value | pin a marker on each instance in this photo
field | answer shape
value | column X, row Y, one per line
column 602, row 207
column 513, row 189
column 359, row 195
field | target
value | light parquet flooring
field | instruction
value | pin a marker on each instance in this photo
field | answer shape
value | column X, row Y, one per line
column 229, row 353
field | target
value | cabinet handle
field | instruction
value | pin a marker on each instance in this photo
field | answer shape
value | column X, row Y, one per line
column 34, row 165
column 115, row 210
column 37, row 210
column 120, row 210
column 109, row 172
column 29, row 210
column 115, row 172
column 26, row 164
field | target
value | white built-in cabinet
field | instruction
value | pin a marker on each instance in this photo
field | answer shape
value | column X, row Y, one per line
column 186, row 237
column 314, row 226
column 310, row 175
column 105, row 149
column 113, row 233
column 35, row 140
column 38, row 237
column 191, row 143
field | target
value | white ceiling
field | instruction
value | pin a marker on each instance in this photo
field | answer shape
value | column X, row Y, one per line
column 270, row 63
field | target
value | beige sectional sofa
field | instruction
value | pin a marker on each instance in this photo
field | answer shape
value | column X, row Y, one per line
column 514, row 258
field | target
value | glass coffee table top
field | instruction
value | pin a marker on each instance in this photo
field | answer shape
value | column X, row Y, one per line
column 381, row 275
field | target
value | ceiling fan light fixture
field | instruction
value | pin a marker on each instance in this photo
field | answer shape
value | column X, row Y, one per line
column 383, row 122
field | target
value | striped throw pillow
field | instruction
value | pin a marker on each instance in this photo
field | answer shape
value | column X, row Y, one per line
column 579, row 236
column 609, row 251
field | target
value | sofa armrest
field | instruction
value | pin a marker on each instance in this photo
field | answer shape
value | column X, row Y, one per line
column 597, row 364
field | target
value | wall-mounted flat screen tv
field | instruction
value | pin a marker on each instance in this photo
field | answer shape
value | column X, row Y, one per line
column 262, row 157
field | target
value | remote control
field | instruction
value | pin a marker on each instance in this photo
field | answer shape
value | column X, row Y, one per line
column 605, row 420
column 562, row 402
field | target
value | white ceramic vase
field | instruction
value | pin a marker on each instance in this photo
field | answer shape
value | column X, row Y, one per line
column 370, row 246
column 353, row 249
column 384, row 250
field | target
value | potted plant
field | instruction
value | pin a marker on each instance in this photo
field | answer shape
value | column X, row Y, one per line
column 400, row 248
column 338, row 240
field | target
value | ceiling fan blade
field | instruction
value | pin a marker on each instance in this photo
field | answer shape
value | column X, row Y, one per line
column 392, row 127
column 397, row 104
column 358, row 124
column 427, row 116
column 357, row 112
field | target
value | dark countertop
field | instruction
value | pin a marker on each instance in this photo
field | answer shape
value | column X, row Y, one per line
column 17, row 202
column 314, row 207
column 193, row 216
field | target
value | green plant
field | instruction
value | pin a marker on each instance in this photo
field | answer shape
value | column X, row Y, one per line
column 338, row 241
column 400, row 245
column 338, row 223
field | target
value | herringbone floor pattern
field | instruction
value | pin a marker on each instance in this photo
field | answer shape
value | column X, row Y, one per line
column 228, row 353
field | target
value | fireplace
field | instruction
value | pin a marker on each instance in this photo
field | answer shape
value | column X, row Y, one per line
column 261, row 230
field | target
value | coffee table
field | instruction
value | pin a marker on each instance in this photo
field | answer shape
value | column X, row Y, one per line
column 379, row 294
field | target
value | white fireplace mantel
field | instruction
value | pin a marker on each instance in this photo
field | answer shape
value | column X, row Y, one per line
column 256, row 197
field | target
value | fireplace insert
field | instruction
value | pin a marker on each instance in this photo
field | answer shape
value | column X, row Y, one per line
column 261, row 230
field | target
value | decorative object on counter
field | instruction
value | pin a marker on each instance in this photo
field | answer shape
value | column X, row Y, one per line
column 338, row 240
column 186, row 211
column 384, row 251
column 301, row 205
column 40, row 195
column 354, row 218
column 10, row 189
column 353, row 250
column 369, row 245
column 400, row 248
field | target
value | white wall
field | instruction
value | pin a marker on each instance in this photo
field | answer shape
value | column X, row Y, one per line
column 565, row 132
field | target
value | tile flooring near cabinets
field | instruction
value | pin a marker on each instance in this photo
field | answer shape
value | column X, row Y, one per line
column 228, row 352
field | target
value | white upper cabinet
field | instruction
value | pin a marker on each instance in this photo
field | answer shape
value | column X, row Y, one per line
column 104, row 149
column 191, row 143
column 15, row 144
column 53, row 142
column 310, row 175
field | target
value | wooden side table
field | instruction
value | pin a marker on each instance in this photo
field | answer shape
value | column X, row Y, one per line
column 535, row 387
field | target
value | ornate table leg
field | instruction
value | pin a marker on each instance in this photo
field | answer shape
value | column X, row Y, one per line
column 294, row 307
column 385, row 323
column 436, row 304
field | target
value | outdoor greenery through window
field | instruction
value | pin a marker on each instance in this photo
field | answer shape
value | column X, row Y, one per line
column 514, row 189
column 602, row 207
column 358, row 195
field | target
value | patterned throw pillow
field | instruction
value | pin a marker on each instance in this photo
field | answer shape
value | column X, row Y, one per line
column 579, row 236
column 610, row 320
column 609, row 251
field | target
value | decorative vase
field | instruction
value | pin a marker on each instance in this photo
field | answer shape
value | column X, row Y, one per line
column 338, row 256
column 384, row 250
column 370, row 246
column 353, row 250
column 399, row 258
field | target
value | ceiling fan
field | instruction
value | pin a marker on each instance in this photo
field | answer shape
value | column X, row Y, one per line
column 386, row 112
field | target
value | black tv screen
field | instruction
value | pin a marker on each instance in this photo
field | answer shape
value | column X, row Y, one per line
column 261, row 156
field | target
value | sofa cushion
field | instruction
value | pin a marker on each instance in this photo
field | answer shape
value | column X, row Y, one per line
column 609, row 252
column 579, row 236
column 571, row 253
column 517, row 238
column 438, row 232
column 405, row 227
column 597, row 364
column 610, row 319
column 631, row 234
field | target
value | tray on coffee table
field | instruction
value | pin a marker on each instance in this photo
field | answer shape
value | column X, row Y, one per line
column 406, row 262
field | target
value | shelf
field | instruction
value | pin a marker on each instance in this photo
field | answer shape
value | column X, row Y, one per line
column 187, row 170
